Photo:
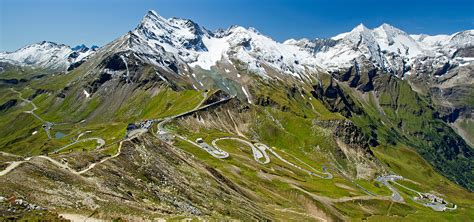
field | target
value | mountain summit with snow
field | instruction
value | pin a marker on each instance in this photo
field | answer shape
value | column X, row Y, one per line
column 389, row 48
column 48, row 55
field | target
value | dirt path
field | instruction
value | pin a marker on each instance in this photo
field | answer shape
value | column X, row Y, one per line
column 16, row 164
column 79, row 218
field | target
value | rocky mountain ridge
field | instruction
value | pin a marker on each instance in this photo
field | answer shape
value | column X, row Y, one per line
column 48, row 55
column 186, row 42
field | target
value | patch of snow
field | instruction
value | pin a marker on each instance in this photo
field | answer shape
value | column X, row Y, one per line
column 246, row 94
column 162, row 78
column 464, row 64
column 111, row 72
column 216, row 48
column 340, row 36
column 396, row 41
column 126, row 66
column 86, row 94
column 432, row 42
column 360, row 42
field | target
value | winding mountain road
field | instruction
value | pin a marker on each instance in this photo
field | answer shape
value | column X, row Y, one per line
column 13, row 165
column 258, row 149
column 100, row 143
column 328, row 175
column 46, row 125
column 395, row 194
column 258, row 154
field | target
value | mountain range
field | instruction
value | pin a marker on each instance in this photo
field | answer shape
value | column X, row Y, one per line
column 341, row 128
column 386, row 47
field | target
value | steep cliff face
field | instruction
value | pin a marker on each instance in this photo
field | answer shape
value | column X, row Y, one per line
column 350, row 134
column 335, row 99
column 354, row 148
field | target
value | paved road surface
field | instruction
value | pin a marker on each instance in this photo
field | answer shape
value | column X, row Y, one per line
column 100, row 141
column 46, row 125
column 217, row 153
column 258, row 154
column 328, row 175
column 395, row 194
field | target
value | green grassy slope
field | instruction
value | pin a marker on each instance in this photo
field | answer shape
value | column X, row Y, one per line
column 400, row 119
column 399, row 116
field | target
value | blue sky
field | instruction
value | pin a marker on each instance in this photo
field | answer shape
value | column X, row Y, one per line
column 100, row 21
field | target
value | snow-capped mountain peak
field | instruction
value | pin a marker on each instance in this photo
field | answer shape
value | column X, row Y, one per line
column 152, row 17
column 396, row 41
column 388, row 48
column 360, row 28
column 173, row 34
column 152, row 12
column 446, row 44
column 462, row 39
column 358, row 34
column 358, row 44
column 255, row 50
column 46, row 54
column 187, row 42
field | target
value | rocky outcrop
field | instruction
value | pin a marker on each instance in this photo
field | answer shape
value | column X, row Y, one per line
column 267, row 101
column 101, row 79
column 355, row 146
column 13, row 81
column 335, row 99
column 350, row 134
column 38, row 92
column 359, row 76
column 8, row 104
column 217, row 96
column 352, row 146
column 464, row 52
